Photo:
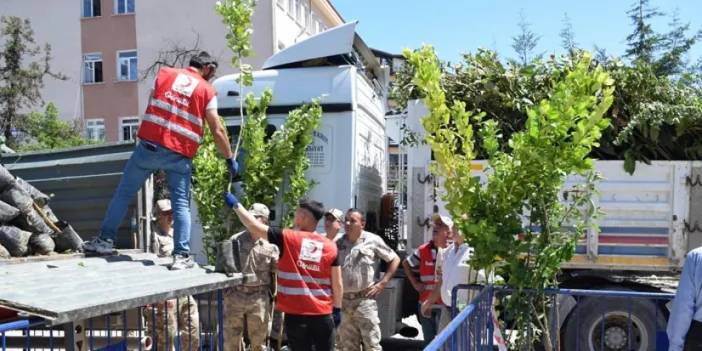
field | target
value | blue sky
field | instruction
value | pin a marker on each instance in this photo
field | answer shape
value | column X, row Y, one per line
column 457, row 26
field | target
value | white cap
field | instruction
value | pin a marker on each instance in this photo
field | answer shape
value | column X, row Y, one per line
column 443, row 219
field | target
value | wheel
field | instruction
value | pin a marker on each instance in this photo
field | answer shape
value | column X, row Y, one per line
column 603, row 324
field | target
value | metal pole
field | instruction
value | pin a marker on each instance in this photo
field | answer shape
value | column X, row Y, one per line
column 220, row 319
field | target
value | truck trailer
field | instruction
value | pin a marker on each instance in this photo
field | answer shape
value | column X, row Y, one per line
column 650, row 221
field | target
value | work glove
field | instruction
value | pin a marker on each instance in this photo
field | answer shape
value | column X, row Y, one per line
column 336, row 316
column 232, row 166
column 231, row 200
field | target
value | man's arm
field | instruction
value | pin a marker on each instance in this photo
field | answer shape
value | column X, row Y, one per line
column 683, row 305
column 433, row 297
column 257, row 229
column 219, row 133
column 412, row 278
column 378, row 287
column 337, row 286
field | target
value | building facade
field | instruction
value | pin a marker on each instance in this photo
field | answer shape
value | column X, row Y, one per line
column 106, row 47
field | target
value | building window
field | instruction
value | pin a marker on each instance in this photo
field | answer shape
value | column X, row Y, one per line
column 91, row 8
column 95, row 129
column 310, row 23
column 127, row 65
column 128, row 128
column 124, row 6
column 300, row 12
column 292, row 6
column 92, row 68
column 281, row 3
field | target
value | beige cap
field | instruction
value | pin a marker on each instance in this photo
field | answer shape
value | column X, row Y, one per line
column 163, row 205
column 336, row 213
column 259, row 210
column 443, row 219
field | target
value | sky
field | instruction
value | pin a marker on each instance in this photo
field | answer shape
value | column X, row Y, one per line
column 454, row 27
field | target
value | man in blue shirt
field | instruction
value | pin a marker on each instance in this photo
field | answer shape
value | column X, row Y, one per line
column 685, row 322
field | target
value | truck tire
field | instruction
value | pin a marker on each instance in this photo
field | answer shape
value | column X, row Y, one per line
column 584, row 328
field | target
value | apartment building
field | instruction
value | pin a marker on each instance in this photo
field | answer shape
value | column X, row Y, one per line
column 105, row 48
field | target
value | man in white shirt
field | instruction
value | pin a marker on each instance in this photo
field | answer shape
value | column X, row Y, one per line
column 452, row 269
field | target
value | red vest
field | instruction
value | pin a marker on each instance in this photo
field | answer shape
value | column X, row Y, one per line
column 427, row 270
column 175, row 116
column 304, row 274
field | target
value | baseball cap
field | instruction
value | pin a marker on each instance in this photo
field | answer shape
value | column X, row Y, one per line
column 259, row 210
column 336, row 213
column 443, row 219
column 163, row 205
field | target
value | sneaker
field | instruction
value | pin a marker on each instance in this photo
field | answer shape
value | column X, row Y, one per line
column 98, row 245
column 182, row 262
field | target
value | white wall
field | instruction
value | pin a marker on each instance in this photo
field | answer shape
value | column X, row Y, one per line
column 158, row 29
column 58, row 24
column 288, row 29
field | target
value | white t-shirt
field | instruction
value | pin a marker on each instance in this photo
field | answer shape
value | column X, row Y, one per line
column 453, row 265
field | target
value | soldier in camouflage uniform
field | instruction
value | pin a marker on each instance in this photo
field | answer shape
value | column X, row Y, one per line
column 251, row 301
column 360, row 253
column 185, row 308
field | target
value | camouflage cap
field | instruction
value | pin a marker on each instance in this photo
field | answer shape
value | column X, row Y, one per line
column 336, row 213
column 163, row 205
column 259, row 210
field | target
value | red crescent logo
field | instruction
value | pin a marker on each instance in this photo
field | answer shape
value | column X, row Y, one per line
column 188, row 83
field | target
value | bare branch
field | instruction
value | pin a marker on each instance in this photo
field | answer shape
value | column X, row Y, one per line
column 175, row 55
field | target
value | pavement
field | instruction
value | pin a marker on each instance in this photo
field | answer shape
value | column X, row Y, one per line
column 400, row 343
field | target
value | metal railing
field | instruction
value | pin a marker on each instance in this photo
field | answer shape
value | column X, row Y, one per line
column 184, row 323
column 470, row 329
column 587, row 320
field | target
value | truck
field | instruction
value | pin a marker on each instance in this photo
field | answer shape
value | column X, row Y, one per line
column 650, row 221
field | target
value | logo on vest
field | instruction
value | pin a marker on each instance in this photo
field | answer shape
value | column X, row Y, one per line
column 309, row 267
column 177, row 99
column 311, row 250
column 184, row 84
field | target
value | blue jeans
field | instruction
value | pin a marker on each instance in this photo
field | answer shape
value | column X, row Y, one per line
column 429, row 325
column 146, row 159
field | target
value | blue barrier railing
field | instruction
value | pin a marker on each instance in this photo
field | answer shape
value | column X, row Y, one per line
column 470, row 329
column 593, row 320
column 173, row 325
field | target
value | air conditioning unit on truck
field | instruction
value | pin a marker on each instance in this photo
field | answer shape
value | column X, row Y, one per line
column 651, row 220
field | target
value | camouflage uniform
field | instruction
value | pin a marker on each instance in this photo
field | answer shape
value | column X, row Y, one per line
column 162, row 243
column 252, row 300
column 360, row 323
column 188, row 321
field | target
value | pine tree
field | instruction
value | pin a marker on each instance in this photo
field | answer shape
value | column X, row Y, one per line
column 643, row 42
column 675, row 44
column 524, row 43
column 567, row 35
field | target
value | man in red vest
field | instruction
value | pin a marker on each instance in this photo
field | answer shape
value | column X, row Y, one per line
column 422, row 261
column 309, row 275
column 170, row 133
